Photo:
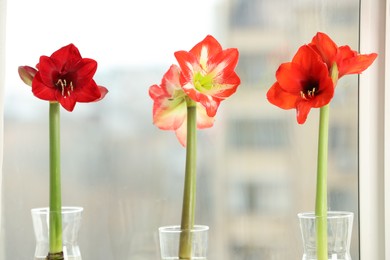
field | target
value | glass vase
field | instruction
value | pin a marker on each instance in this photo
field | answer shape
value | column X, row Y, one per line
column 339, row 235
column 170, row 239
column 71, row 221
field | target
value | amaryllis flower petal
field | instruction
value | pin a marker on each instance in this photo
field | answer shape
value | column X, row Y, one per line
column 90, row 92
column 348, row 61
column 103, row 92
column 209, row 102
column 226, row 80
column 202, row 121
column 67, row 78
column 168, row 113
column 67, row 103
column 325, row 47
column 170, row 106
column 303, row 109
column 85, row 68
column 41, row 90
column 302, row 84
column 290, row 76
column 181, row 133
column 156, row 91
column 222, row 65
column 171, row 82
column 188, row 64
column 277, row 96
column 208, row 74
column 206, row 49
column 308, row 60
column 48, row 71
column 70, row 54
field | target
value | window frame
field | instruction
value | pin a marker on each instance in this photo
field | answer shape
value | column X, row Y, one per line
column 387, row 132
column 2, row 87
column 374, row 131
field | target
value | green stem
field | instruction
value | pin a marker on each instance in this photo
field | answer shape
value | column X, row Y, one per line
column 321, row 209
column 55, row 223
column 189, row 196
column 321, row 195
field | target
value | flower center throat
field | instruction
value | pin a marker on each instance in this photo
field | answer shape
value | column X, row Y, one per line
column 309, row 94
column 66, row 88
column 310, row 89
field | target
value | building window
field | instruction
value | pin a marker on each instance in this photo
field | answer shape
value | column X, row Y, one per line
column 246, row 13
column 258, row 134
column 253, row 69
column 253, row 197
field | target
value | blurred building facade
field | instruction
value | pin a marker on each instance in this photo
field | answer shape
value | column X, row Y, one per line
column 264, row 183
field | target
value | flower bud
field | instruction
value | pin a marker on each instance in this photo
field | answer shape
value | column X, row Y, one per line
column 27, row 74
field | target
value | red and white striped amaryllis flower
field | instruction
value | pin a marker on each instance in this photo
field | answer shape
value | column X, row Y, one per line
column 208, row 75
column 170, row 106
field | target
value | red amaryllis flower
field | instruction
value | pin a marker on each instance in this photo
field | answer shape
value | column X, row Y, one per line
column 64, row 77
column 348, row 61
column 302, row 84
column 208, row 74
column 170, row 108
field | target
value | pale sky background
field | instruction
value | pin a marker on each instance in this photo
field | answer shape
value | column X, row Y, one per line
column 114, row 33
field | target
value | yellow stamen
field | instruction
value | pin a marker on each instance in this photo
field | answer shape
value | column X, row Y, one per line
column 310, row 94
column 64, row 86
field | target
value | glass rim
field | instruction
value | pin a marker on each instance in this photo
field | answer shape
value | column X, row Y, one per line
column 330, row 215
column 177, row 229
column 64, row 210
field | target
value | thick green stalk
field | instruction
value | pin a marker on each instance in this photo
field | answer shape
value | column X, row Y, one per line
column 55, row 223
column 189, row 196
column 321, row 207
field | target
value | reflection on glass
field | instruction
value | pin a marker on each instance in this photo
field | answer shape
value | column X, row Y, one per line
column 256, row 166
